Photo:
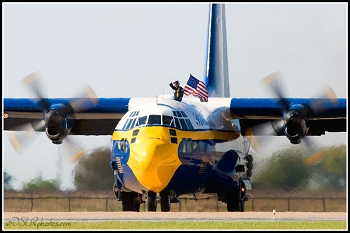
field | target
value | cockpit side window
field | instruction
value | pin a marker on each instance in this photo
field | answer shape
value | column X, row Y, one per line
column 134, row 113
column 128, row 124
column 136, row 122
column 183, row 114
column 133, row 123
column 190, row 126
column 177, row 123
column 183, row 123
column 131, row 120
column 168, row 121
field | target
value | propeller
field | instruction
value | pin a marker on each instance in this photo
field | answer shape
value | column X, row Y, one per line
column 72, row 150
column 57, row 120
column 294, row 122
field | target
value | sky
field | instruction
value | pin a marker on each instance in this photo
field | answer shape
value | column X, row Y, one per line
column 135, row 50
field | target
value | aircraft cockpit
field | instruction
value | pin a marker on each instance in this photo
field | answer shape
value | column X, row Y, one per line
column 178, row 120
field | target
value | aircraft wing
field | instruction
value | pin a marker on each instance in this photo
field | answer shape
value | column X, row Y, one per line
column 319, row 115
column 102, row 118
column 98, row 119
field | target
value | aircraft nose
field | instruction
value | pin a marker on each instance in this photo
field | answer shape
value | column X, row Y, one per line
column 154, row 162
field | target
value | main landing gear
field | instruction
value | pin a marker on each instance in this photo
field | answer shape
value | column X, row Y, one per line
column 235, row 199
column 131, row 201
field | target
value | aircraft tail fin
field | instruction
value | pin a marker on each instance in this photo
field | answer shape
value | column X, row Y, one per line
column 216, row 73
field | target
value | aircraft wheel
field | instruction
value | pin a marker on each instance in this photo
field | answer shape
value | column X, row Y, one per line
column 234, row 202
column 129, row 201
column 152, row 201
column 164, row 201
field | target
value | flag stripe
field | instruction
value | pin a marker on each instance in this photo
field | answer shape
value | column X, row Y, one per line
column 196, row 88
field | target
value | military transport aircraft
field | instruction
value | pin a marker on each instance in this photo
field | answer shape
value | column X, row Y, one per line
column 162, row 148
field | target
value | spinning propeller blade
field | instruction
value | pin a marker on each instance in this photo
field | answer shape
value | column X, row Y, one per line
column 72, row 150
column 293, row 123
column 274, row 83
column 20, row 139
column 54, row 121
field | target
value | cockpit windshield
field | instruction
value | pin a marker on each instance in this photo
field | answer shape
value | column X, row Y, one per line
column 179, row 120
column 154, row 120
column 142, row 120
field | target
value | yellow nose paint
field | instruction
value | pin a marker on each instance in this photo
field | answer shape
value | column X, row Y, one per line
column 153, row 160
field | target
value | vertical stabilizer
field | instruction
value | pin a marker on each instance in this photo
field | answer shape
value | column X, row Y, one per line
column 216, row 74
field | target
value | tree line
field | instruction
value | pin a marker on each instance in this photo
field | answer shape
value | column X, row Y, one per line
column 287, row 169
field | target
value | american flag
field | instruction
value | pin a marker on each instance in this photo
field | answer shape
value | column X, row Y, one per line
column 196, row 88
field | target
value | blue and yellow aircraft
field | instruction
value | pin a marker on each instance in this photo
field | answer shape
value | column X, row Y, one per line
column 163, row 148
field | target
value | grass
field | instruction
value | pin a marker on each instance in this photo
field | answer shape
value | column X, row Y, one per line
column 245, row 225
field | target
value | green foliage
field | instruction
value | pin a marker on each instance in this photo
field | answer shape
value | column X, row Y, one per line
column 330, row 171
column 39, row 184
column 7, row 181
column 93, row 172
column 288, row 169
column 284, row 170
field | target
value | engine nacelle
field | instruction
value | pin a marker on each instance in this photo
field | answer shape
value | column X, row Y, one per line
column 295, row 125
column 56, row 129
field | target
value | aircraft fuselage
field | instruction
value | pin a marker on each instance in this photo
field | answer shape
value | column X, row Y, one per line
column 165, row 145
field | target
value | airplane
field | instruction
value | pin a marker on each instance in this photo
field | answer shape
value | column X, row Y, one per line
column 162, row 148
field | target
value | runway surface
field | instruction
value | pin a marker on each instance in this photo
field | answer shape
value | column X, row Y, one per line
column 174, row 216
